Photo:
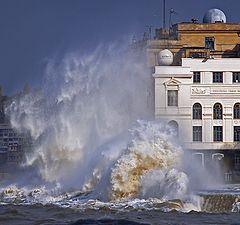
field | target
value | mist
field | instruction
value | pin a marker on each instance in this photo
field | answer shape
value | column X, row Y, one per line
column 86, row 102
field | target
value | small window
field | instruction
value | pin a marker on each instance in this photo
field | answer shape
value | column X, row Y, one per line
column 196, row 77
column 236, row 133
column 172, row 98
column 217, row 133
column 197, row 133
column 197, row 111
column 217, row 77
column 209, row 43
column 217, row 111
column 236, row 77
column 236, row 111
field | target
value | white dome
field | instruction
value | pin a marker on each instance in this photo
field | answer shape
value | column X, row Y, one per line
column 214, row 15
column 165, row 58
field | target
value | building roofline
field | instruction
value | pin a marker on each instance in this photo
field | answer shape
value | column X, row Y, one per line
column 206, row 27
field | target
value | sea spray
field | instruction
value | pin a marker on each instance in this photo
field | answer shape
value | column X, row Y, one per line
column 86, row 101
column 152, row 148
column 79, row 122
column 165, row 184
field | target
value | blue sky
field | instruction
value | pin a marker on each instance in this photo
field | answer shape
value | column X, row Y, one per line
column 32, row 31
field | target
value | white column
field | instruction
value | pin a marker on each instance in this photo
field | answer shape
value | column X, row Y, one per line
column 227, row 124
column 207, row 124
column 159, row 96
column 207, row 78
column 227, row 76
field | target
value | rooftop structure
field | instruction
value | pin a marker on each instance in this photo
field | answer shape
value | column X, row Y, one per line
column 190, row 40
column 214, row 16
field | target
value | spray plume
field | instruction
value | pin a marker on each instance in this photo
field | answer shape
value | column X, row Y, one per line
column 87, row 100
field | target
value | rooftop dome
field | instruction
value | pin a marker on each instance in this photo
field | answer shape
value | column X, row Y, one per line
column 214, row 16
column 165, row 57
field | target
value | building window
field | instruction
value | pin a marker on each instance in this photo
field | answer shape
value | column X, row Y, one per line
column 217, row 77
column 236, row 133
column 236, row 77
column 197, row 111
column 172, row 98
column 236, row 111
column 217, row 133
column 197, row 133
column 217, row 111
column 209, row 43
column 196, row 77
column 174, row 127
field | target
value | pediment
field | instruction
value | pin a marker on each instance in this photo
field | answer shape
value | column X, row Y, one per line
column 172, row 82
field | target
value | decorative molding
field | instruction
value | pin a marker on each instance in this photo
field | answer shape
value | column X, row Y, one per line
column 236, row 122
column 217, row 122
column 197, row 122
column 215, row 90
column 228, row 114
column 225, row 90
column 172, row 82
column 198, row 91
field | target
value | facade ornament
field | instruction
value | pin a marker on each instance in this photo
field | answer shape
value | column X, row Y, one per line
column 198, row 91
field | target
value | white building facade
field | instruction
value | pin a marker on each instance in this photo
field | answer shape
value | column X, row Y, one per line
column 201, row 99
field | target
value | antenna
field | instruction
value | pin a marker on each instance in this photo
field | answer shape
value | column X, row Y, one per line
column 164, row 14
column 171, row 12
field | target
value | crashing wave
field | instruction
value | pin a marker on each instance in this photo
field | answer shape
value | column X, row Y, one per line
column 79, row 123
column 150, row 149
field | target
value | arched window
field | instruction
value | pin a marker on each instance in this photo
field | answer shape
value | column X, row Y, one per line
column 197, row 111
column 236, row 111
column 217, row 156
column 174, row 127
column 217, row 111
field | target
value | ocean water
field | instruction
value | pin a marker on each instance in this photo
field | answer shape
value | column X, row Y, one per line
column 94, row 212
column 37, row 207
column 99, row 157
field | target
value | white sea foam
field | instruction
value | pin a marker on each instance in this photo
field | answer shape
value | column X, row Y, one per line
column 152, row 148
